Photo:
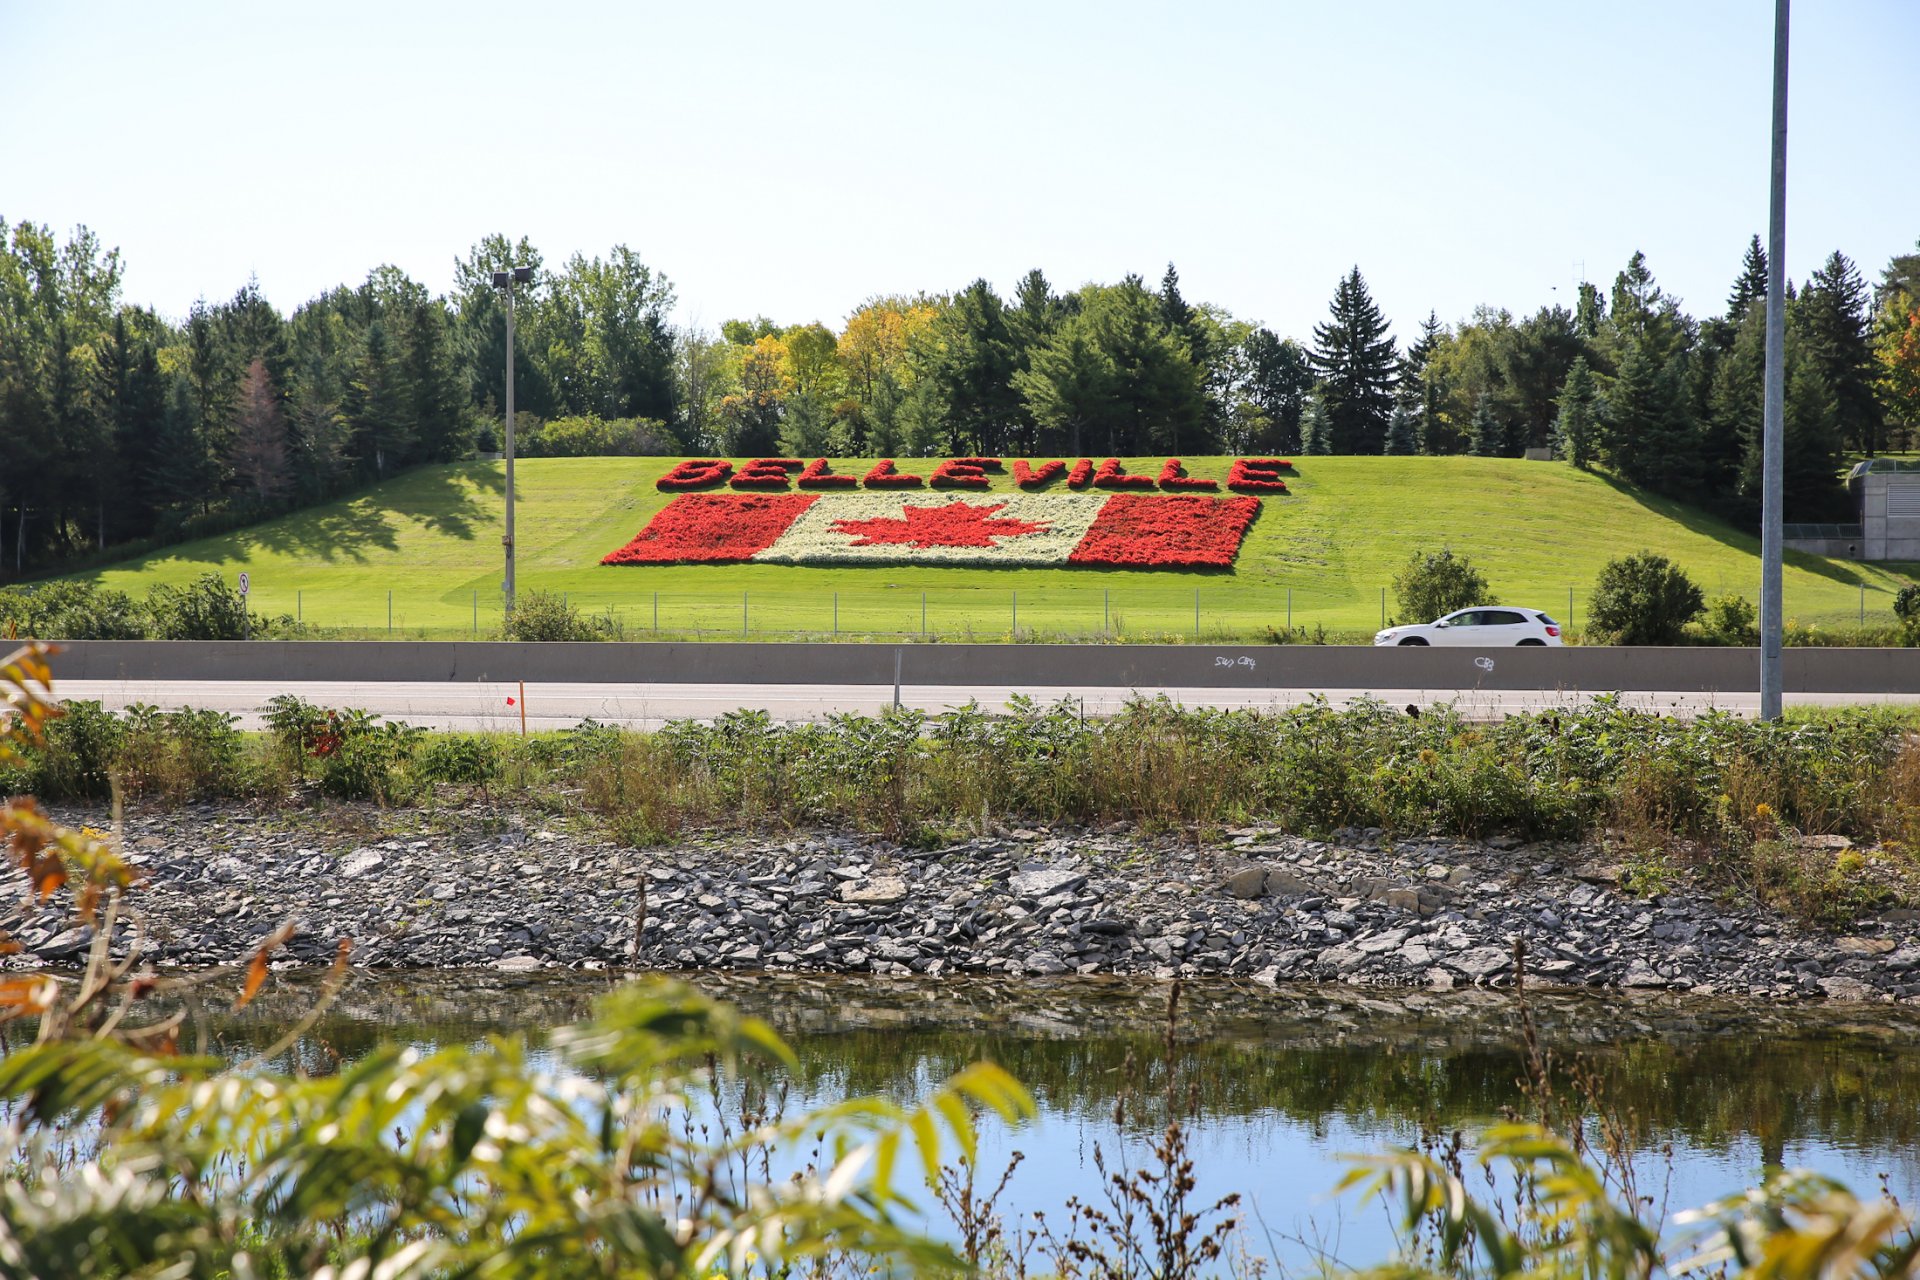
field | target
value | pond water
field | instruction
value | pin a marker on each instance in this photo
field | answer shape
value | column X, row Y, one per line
column 1286, row 1080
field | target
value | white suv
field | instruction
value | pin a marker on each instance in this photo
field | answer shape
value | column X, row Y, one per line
column 1480, row 627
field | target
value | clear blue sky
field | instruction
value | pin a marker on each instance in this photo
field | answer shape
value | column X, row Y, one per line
column 794, row 159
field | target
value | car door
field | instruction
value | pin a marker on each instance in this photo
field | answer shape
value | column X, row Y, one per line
column 1462, row 628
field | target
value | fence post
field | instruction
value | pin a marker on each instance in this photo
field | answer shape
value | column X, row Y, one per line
column 389, row 611
column 300, row 606
column 836, row 613
column 1106, row 611
column 923, row 615
column 1289, row 608
column 1196, row 615
column 743, row 615
column 1863, row 604
column 1383, row 607
column 476, row 613
column 656, row 614
column 1569, row 608
column 1016, row 613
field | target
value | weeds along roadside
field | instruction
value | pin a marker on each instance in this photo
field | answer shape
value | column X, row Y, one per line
column 1731, row 796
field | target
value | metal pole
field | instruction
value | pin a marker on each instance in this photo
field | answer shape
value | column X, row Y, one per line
column 743, row 615
column 1771, row 533
column 507, row 541
column 1106, row 610
column 896, row 679
column 1016, row 615
column 1863, row 604
column 389, row 612
column 1196, row 615
column 836, row 613
column 923, row 615
column 476, row 613
column 1289, row 608
column 656, row 613
column 1383, row 606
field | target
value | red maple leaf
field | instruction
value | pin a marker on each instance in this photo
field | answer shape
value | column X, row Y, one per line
column 958, row 524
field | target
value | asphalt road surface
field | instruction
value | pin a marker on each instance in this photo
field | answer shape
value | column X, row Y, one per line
column 486, row 707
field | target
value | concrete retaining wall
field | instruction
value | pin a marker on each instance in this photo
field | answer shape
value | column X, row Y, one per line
column 1115, row 666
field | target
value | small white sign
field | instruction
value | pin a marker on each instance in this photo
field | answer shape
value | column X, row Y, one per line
column 244, row 582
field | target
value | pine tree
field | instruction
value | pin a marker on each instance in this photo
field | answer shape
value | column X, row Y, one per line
column 1751, row 285
column 1810, row 445
column 1489, row 434
column 1354, row 357
column 259, row 449
column 1576, row 430
column 1402, row 436
column 1833, row 320
column 439, row 428
column 377, row 406
column 1634, row 407
column 1316, row 429
column 1278, row 383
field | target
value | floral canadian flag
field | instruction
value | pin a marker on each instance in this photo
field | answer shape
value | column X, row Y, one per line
column 1147, row 531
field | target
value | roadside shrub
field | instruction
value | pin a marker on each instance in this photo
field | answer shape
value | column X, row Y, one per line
column 1643, row 599
column 1435, row 583
column 547, row 615
column 208, row 608
column 70, row 611
column 370, row 763
column 1731, row 619
column 81, row 751
column 181, row 755
column 458, row 758
column 1906, row 607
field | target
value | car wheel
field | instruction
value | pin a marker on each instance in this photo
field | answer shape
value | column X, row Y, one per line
column 1524, row 643
column 1413, row 640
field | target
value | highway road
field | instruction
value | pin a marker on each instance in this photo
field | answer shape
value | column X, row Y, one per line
column 486, row 706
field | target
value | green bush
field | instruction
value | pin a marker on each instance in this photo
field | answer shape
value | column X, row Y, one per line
column 1906, row 607
column 208, row 608
column 1435, row 583
column 462, row 758
column 1642, row 599
column 71, row 611
column 370, row 763
column 591, row 437
column 547, row 615
column 1731, row 619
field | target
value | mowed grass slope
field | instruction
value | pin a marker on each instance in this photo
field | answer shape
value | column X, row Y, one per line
column 430, row 541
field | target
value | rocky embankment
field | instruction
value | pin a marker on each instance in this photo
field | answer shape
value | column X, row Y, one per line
column 523, row 892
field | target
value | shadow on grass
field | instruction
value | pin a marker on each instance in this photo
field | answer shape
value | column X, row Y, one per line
column 1694, row 520
column 445, row 499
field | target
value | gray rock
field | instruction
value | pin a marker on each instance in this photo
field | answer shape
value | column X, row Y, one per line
column 879, row 890
column 360, row 862
column 1247, row 882
column 1046, row 882
column 1480, row 962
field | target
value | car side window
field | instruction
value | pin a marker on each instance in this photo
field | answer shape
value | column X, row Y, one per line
column 1501, row 618
column 1469, row 619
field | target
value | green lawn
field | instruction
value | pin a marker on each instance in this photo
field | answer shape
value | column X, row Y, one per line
column 430, row 542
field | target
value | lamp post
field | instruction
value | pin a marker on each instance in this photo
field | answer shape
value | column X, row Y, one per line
column 506, row 280
column 1773, row 410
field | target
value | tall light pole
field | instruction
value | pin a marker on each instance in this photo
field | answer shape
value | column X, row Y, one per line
column 1771, row 533
column 506, row 280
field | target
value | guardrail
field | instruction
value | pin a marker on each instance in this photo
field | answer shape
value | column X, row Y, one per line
column 1589, row 669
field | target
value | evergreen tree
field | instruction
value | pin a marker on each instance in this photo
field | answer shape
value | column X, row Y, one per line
column 1316, row 428
column 1402, row 435
column 377, row 406
column 971, row 369
column 1810, row 445
column 1354, row 357
column 1422, row 384
column 1833, row 320
column 1750, row 287
column 433, row 387
column 259, row 457
column 1576, row 431
column 1590, row 314
column 1488, row 434
column 1069, row 388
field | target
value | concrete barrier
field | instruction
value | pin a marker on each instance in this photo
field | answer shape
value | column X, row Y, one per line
column 1863, row 671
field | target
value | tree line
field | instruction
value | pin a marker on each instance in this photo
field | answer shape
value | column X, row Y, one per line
column 127, row 427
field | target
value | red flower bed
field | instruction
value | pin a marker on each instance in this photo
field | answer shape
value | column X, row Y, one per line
column 1258, row 475
column 713, row 528
column 1112, row 476
column 694, row 473
column 816, row 476
column 1028, row 476
column 1081, row 475
column 885, row 476
column 1135, row 530
column 963, row 473
column 766, row 474
column 1174, row 477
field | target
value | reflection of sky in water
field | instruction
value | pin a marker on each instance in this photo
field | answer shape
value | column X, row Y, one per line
column 1290, row 1082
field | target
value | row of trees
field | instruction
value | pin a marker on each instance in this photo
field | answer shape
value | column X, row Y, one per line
column 130, row 426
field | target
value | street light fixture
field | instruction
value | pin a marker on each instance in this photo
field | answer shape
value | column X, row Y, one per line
column 506, row 280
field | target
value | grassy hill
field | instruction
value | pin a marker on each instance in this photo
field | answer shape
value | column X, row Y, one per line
column 430, row 543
